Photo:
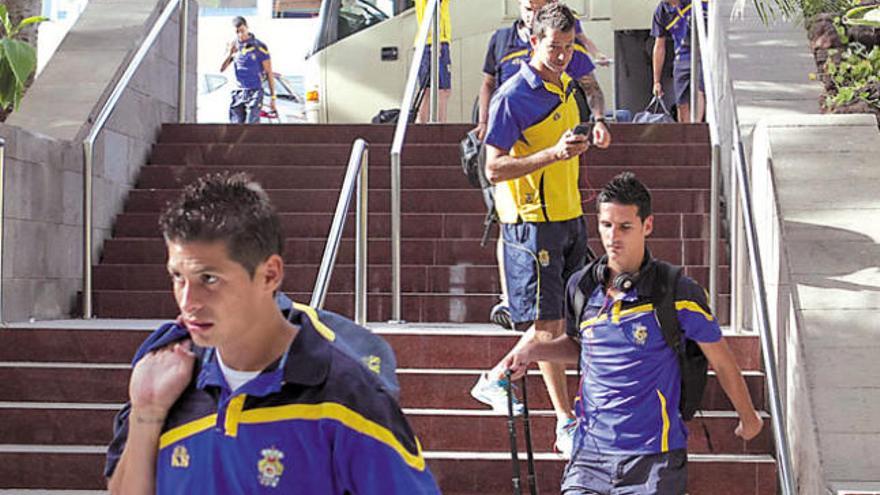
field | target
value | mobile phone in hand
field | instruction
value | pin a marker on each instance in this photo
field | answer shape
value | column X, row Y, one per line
column 584, row 130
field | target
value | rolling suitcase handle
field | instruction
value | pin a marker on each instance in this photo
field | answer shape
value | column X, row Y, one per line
column 527, row 433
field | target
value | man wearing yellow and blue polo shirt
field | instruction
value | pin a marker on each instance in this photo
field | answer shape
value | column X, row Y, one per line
column 532, row 157
column 251, row 60
column 445, row 76
column 631, row 437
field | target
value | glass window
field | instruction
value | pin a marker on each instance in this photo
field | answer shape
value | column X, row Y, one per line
column 293, row 9
column 357, row 15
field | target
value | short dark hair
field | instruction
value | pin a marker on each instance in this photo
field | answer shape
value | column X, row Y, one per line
column 239, row 21
column 226, row 207
column 625, row 189
column 554, row 15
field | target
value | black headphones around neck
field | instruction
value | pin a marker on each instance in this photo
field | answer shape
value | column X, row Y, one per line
column 623, row 281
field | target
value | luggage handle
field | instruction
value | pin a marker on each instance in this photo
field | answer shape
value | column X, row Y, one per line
column 657, row 103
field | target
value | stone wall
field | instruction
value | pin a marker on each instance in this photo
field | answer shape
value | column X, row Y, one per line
column 42, row 248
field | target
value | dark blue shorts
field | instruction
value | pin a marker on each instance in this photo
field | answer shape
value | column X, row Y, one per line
column 646, row 474
column 681, row 74
column 445, row 61
column 245, row 106
column 538, row 259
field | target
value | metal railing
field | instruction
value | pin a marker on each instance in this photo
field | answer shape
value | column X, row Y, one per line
column 718, row 92
column 431, row 18
column 355, row 174
column 104, row 115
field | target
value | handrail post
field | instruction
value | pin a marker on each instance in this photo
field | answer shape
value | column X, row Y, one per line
column 181, row 61
column 714, row 194
column 328, row 260
column 360, row 258
column 695, row 79
column 2, row 219
column 435, row 64
column 89, row 158
column 395, row 238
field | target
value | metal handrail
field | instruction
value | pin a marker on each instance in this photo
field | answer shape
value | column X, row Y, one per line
column 98, row 126
column 432, row 10
column 358, row 164
column 780, row 436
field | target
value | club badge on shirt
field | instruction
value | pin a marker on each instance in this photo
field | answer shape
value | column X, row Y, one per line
column 270, row 467
column 640, row 333
column 180, row 457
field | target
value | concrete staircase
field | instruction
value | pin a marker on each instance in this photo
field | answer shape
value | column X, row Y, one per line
column 61, row 384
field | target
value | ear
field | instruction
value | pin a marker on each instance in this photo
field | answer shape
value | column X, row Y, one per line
column 648, row 225
column 533, row 40
column 270, row 273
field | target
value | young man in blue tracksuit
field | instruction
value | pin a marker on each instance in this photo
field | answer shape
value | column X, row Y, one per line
column 672, row 18
column 239, row 397
column 252, row 62
column 630, row 436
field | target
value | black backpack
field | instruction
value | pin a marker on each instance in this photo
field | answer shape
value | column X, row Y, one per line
column 473, row 164
column 692, row 363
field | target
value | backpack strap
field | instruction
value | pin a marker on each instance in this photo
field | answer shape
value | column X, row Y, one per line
column 665, row 281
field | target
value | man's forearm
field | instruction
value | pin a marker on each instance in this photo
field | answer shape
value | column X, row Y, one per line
column 595, row 96
column 562, row 349
column 659, row 58
column 225, row 63
column 135, row 473
column 501, row 167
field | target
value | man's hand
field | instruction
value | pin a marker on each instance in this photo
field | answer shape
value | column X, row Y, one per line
column 272, row 105
column 601, row 135
column 602, row 60
column 480, row 129
column 159, row 378
column 570, row 145
column 518, row 362
column 749, row 427
column 232, row 47
column 658, row 89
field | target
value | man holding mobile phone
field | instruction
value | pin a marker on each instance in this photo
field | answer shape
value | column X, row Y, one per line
column 532, row 157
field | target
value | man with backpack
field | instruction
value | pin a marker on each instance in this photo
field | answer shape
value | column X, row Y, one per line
column 637, row 389
column 238, row 396
column 533, row 158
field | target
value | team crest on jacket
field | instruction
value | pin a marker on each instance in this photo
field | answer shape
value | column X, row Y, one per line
column 180, row 457
column 544, row 257
column 270, row 467
column 640, row 333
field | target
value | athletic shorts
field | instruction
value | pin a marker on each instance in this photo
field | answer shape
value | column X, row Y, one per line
column 681, row 74
column 646, row 474
column 425, row 68
column 538, row 259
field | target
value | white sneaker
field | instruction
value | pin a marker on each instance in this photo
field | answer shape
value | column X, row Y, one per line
column 493, row 394
column 565, row 437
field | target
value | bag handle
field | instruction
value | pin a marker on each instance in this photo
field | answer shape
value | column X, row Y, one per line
column 657, row 103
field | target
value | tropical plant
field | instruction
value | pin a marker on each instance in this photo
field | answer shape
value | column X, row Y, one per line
column 18, row 60
column 855, row 76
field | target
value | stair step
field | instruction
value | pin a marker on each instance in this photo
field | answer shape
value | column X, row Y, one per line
column 437, row 429
column 468, row 201
column 480, row 279
column 422, row 177
column 420, row 388
column 81, row 467
column 415, row 307
column 347, row 133
column 450, row 346
column 429, row 252
column 415, row 225
column 275, row 154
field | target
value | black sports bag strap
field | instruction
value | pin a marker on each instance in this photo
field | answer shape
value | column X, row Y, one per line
column 665, row 281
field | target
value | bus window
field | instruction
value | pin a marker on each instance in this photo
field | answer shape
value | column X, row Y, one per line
column 356, row 15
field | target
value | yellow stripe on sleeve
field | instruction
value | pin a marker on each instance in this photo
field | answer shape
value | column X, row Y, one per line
column 693, row 308
column 323, row 329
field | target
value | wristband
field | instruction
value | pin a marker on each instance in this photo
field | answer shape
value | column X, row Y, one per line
column 274, row 97
column 600, row 119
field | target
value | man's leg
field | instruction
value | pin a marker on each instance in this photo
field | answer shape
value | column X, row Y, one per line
column 652, row 474
column 254, row 103
column 236, row 108
column 443, row 97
